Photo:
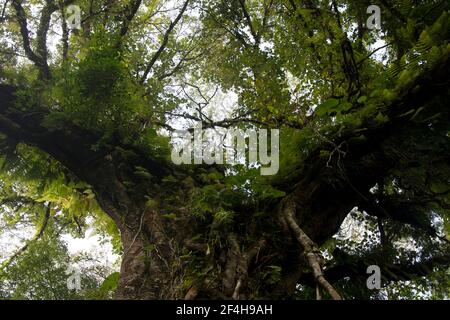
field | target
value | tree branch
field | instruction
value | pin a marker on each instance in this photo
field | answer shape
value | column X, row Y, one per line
column 389, row 272
column 310, row 249
column 65, row 32
column 41, row 34
column 36, row 59
column 36, row 237
column 39, row 56
column 132, row 9
column 249, row 22
column 3, row 15
column 164, row 42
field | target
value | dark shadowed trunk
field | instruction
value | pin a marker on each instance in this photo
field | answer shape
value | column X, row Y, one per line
column 158, row 230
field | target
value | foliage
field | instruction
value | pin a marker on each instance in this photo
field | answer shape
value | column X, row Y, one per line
column 363, row 123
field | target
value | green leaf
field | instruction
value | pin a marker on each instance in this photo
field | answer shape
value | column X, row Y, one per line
column 111, row 281
column 381, row 118
column 2, row 161
column 272, row 193
column 327, row 107
column 362, row 99
column 439, row 187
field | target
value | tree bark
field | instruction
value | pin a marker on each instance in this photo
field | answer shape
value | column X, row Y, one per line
column 320, row 197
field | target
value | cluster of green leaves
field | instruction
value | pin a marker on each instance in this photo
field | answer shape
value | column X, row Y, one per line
column 97, row 92
column 359, row 242
column 289, row 67
column 43, row 270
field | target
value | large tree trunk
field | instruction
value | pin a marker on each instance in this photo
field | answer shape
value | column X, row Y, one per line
column 163, row 258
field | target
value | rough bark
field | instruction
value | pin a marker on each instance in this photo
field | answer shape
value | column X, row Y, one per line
column 320, row 198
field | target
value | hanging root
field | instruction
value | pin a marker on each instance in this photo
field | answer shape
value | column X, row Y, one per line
column 310, row 249
column 236, row 270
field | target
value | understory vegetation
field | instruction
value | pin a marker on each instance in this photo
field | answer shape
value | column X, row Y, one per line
column 86, row 118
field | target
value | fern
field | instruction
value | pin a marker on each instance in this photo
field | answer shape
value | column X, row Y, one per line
column 424, row 44
column 404, row 7
column 394, row 70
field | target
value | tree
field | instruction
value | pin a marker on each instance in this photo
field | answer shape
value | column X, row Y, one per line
column 42, row 273
column 84, row 126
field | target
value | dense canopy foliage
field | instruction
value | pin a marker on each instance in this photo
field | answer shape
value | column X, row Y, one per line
column 86, row 115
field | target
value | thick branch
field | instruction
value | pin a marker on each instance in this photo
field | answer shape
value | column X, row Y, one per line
column 255, row 35
column 389, row 272
column 40, row 55
column 41, row 35
column 65, row 33
column 164, row 42
column 40, row 63
column 132, row 9
column 71, row 146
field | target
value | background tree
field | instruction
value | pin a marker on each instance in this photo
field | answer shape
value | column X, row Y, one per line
column 84, row 122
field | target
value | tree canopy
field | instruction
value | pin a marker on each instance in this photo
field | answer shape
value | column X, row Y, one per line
column 87, row 113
